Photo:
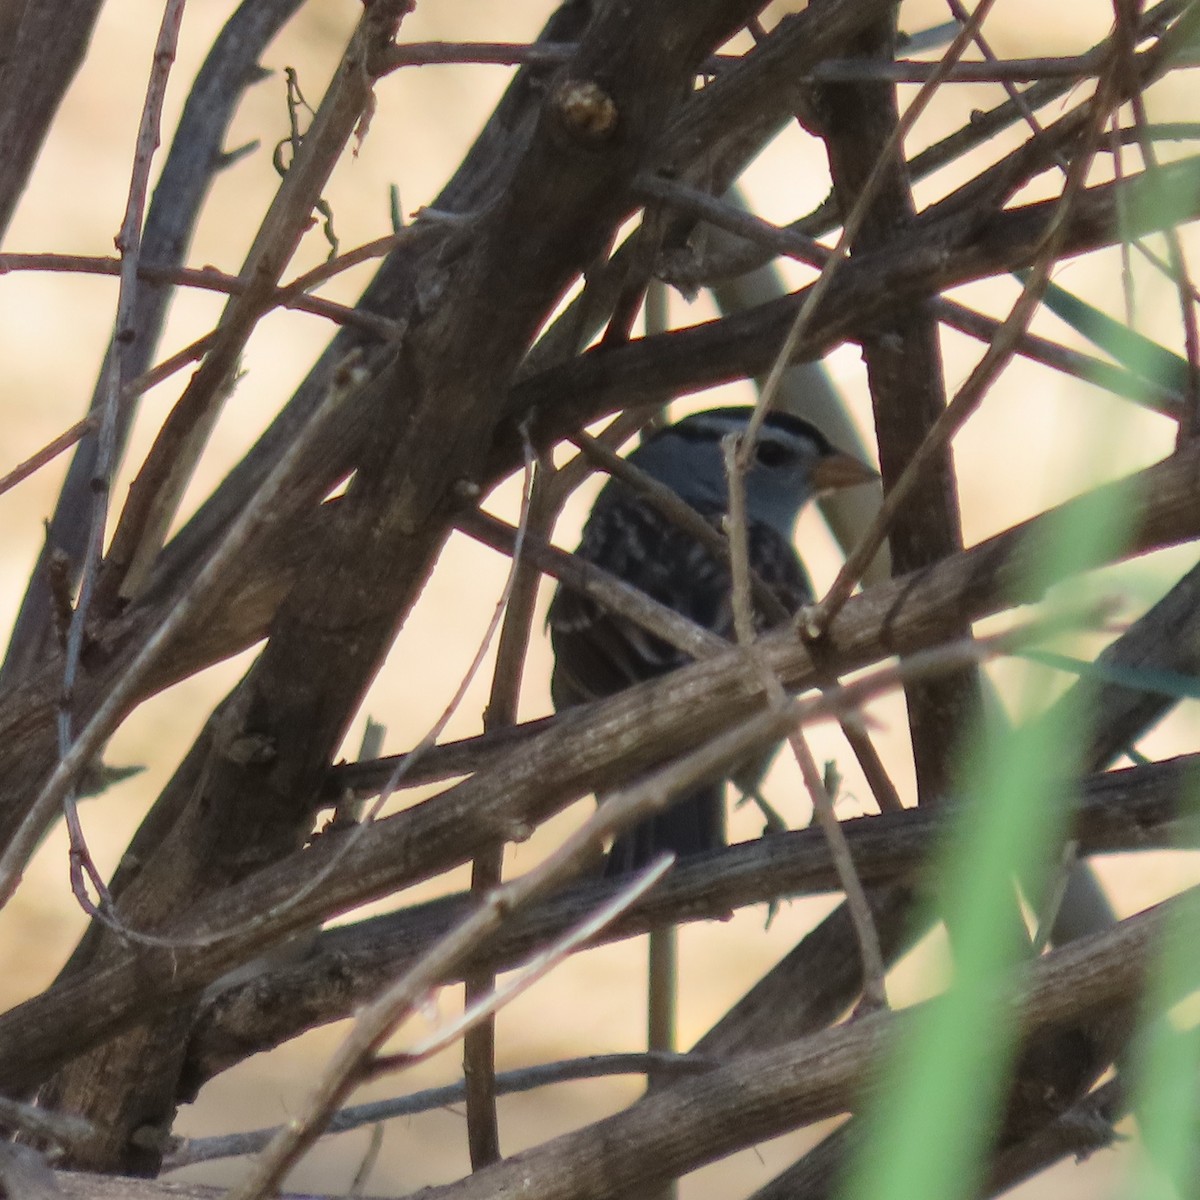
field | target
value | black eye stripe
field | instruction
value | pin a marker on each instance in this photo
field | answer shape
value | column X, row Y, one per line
column 716, row 423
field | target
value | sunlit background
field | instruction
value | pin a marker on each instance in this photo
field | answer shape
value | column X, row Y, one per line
column 1038, row 439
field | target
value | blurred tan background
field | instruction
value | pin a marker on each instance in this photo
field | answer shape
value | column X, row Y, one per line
column 53, row 330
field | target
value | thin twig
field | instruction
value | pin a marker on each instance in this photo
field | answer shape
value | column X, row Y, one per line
column 790, row 243
column 971, row 394
column 1125, row 36
column 367, row 1165
column 662, row 948
column 833, row 70
column 959, row 13
column 158, row 487
column 195, row 159
column 851, row 226
column 604, row 588
column 1117, row 156
column 873, row 769
column 504, row 54
column 776, row 1089
column 984, row 124
column 571, row 474
column 188, row 1151
column 874, row 990
column 377, row 1022
column 645, row 249
column 128, row 687
column 47, row 454
column 81, row 428
column 207, row 278
column 129, row 245
column 993, row 70
column 479, row 1042
column 533, row 969
column 403, row 764
column 291, row 296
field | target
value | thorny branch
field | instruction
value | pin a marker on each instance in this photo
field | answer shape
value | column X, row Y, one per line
column 428, row 397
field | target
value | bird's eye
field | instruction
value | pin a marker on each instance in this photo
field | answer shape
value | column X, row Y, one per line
column 771, row 454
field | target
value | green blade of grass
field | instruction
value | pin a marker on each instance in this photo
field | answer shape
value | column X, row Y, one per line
column 1164, row 683
column 1166, row 1066
column 1133, row 350
column 930, row 1120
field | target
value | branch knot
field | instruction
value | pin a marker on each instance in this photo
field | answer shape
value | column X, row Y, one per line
column 585, row 110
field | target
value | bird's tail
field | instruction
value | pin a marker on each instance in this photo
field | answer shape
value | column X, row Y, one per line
column 694, row 823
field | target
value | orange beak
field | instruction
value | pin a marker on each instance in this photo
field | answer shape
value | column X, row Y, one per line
column 840, row 470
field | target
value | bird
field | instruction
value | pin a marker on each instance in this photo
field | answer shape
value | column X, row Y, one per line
column 597, row 654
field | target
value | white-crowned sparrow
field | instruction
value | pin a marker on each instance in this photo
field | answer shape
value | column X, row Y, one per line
column 598, row 654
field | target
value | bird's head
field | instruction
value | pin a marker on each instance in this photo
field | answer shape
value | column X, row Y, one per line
column 793, row 462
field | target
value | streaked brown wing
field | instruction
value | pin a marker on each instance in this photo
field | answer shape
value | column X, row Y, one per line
column 597, row 654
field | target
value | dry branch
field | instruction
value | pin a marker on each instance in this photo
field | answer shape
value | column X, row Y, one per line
column 454, row 369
